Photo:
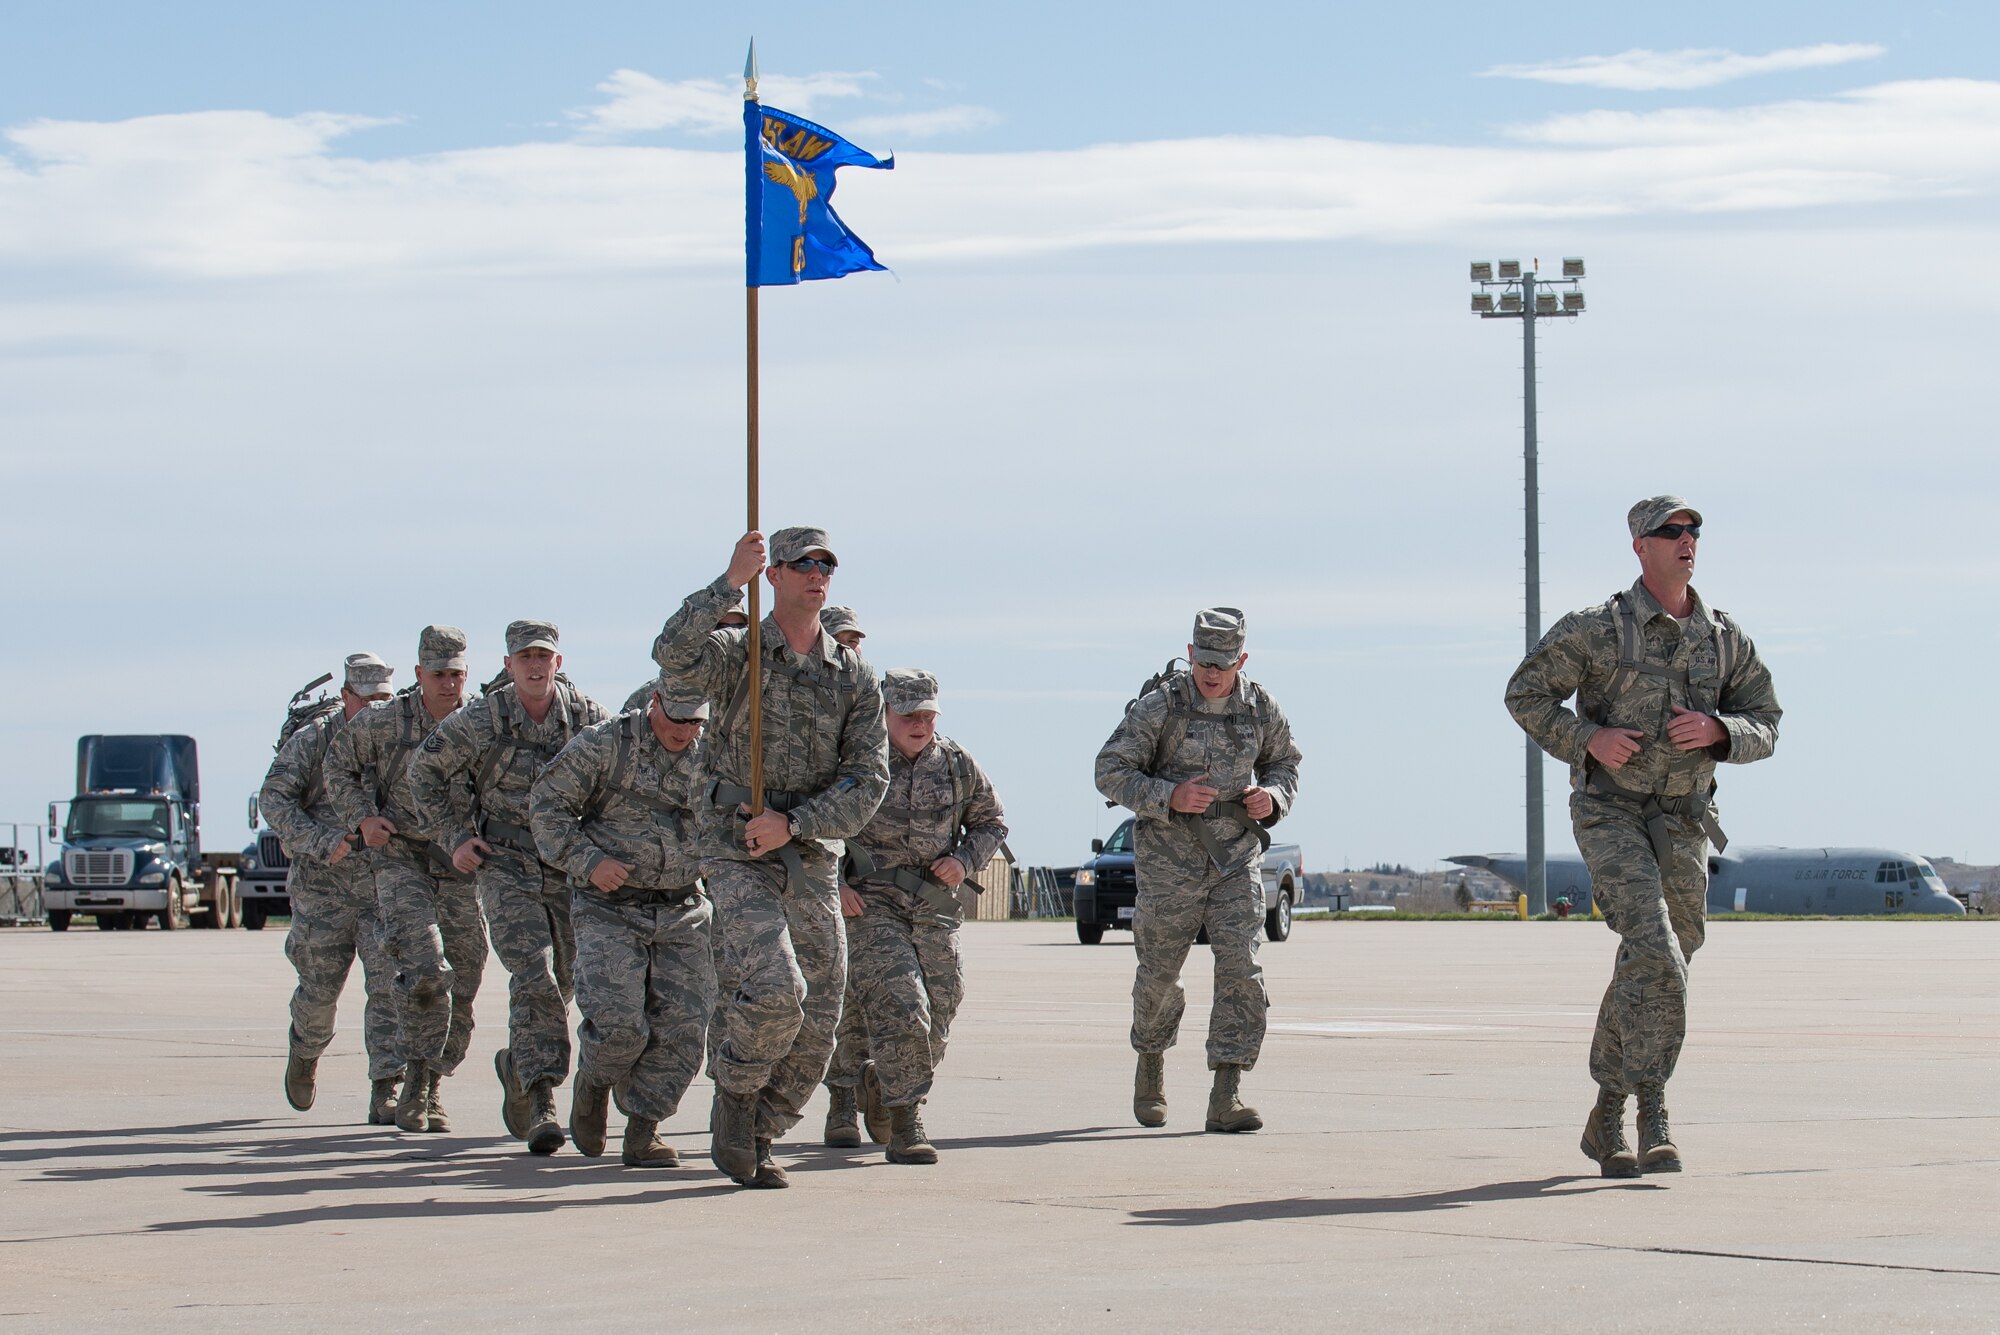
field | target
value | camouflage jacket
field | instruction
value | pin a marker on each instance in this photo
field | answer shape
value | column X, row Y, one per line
column 615, row 792
column 824, row 739
column 477, row 766
column 1709, row 666
column 368, row 767
column 1168, row 735
column 939, row 805
column 294, row 797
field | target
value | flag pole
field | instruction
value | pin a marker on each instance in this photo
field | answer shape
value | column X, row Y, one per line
column 750, row 380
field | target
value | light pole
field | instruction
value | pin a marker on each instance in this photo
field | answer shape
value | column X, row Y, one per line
column 1518, row 299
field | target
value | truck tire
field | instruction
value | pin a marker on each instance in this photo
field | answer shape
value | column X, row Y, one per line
column 235, row 906
column 175, row 915
column 253, row 915
column 1278, row 919
column 108, row 922
column 1090, row 933
column 58, row 920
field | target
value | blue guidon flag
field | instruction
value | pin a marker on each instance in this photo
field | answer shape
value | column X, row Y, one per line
column 791, row 233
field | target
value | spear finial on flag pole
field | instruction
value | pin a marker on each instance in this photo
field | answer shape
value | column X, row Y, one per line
column 750, row 73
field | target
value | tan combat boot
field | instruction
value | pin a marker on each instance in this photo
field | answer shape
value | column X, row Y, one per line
column 732, row 1135
column 544, row 1130
column 907, row 1141
column 589, row 1111
column 841, row 1131
column 768, row 1172
column 1226, row 1111
column 513, row 1099
column 410, row 1105
column 435, row 1117
column 1604, row 1137
column 1656, row 1143
column 382, row 1101
column 874, row 1115
column 301, row 1081
column 1149, row 1090
column 644, row 1148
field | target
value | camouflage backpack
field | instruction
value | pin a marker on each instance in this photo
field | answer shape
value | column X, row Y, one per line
column 304, row 709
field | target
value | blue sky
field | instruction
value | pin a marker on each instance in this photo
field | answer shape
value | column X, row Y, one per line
column 324, row 324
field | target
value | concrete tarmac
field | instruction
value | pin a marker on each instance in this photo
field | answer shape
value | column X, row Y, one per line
column 1423, row 1086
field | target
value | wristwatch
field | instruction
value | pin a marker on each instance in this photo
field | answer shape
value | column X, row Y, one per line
column 792, row 824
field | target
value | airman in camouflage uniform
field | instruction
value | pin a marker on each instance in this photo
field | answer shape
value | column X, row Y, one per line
column 615, row 810
column 1665, row 687
column 334, row 916
column 470, row 782
column 773, row 874
column 843, row 625
column 939, row 823
column 430, row 910
column 1206, row 762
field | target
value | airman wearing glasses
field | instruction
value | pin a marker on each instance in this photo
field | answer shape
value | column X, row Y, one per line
column 1665, row 688
column 773, row 875
column 615, row 811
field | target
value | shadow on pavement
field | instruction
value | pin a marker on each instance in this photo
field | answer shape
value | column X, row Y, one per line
column 1541, row 1188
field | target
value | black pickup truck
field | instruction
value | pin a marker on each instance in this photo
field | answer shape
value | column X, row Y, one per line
column 1107, row 887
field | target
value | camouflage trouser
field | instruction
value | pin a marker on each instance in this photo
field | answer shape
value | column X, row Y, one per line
column 787, row 957
column 1659, row 914
column 1180, row 892
column 334, row 919
column 904, row 968
column 645, row 982
column 725, row 986
column 527, row 911
column 850, row 1043
column 437, row 941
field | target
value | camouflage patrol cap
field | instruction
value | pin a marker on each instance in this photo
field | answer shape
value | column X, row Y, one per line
column 735, row 616
column 839, row 619
column 441, row 649
column 790, row 544
column 367, row 676
column 909, row 691
column 1654, row 511
column 679, row 701
column 1218, row 636
column 530, row 635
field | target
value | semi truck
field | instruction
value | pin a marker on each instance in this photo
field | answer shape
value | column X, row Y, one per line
column 265, row 883
column 130, row 847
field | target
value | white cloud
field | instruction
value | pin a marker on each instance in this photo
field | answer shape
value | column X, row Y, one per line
column 239, row 193
column 637, row 102
column 921, row 124
column 1640, row 70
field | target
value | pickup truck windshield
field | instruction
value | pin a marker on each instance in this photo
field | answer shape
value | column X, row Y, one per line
column 104, row 819
column 1120, row 840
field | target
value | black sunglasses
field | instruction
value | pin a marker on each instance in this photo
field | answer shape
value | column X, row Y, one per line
column 806, row 565
column 1675, row 530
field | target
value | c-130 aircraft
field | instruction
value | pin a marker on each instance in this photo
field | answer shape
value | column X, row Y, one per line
column 1837, row 882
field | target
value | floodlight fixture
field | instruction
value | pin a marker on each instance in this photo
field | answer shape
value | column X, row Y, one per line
column 1510, row 269
column 1572, row 302
column 1545, row 303
column 1573, row 266
column 1482, row 271
column 1510, row 303
column 1482, row 303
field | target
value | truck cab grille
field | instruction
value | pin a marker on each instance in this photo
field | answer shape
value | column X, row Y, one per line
column 98, row 867
column 270, row 852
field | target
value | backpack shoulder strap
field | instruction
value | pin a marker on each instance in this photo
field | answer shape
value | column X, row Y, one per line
column 1173, row 729
column 503, row 741
column 1728, row 644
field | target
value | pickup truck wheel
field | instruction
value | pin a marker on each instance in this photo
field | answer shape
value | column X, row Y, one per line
column 58, row 920
column 1090, row 933
column 1278, row 920
column 253, row 916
